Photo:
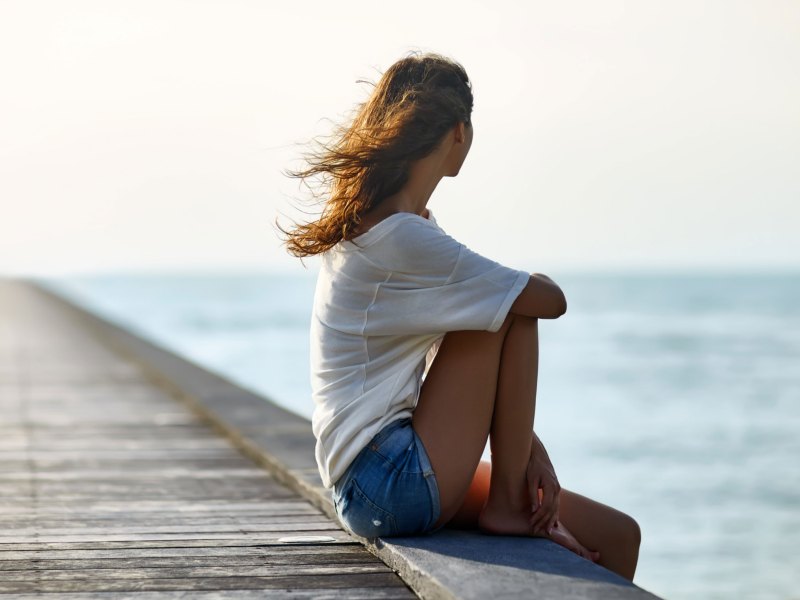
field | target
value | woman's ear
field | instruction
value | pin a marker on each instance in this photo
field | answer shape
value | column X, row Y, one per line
column 460, row 133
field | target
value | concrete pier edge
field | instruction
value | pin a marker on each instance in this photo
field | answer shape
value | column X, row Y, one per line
column 447, row 565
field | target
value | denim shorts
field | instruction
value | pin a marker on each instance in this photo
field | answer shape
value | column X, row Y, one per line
column 389, row 489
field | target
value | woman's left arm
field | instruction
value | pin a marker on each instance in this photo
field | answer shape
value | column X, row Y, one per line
column 541, row 474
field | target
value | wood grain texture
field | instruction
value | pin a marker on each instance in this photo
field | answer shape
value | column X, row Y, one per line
column 111, row 488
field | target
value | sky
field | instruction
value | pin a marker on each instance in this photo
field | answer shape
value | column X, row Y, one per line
column 153, row 135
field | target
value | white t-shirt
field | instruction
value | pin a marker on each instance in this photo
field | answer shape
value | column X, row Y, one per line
column 383, row 302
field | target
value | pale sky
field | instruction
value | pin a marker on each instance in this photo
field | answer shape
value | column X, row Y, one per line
column 608, row 135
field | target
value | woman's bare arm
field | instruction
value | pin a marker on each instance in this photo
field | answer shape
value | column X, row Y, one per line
column 541, row 298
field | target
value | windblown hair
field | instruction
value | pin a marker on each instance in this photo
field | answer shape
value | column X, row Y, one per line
column 416, row 101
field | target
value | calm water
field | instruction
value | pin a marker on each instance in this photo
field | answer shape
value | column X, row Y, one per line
column 675, row 399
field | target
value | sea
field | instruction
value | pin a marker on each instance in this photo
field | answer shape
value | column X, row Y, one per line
column 673, row 397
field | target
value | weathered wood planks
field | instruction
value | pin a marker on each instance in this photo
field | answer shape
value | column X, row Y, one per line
column 110, row 488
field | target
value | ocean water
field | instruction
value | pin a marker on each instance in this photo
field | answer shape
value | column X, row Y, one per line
column 674, row 398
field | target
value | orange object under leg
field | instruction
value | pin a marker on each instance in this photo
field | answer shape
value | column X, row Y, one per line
column 467, row 515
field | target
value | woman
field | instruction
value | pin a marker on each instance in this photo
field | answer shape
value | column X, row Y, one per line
column 421, row 348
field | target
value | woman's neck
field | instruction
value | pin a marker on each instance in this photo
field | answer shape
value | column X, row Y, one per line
column 423, row 177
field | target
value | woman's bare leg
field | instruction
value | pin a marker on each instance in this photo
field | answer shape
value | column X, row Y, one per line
column 613, row 533
column 595, row 525
column 508, row 507
column 482, row 382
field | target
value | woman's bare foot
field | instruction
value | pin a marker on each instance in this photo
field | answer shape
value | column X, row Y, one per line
column 505, row 521
column 561, row 535
column 517, row 522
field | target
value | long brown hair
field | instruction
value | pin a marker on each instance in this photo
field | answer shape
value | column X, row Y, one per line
column 416, row 101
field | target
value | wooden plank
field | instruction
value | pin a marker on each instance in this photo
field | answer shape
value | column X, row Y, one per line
column 133, row 468
column 182, row 533
column 214, row 449
column 155, row 486
column 166, row 471
column 43, row 519
column 280, row 564
column 125, row 570
column 352, row 593
column 187, row 495
column 123, row 527
column 12, row 559
column 254, row 540
column 141, row 505
column 334, row 581
column 145, row 519
column 223, row 506
column 111, row 441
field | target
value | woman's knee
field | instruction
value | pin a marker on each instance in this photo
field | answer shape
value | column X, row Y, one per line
column 519, row 322
column 521, row 328
column 511, row 320
column 628, row 532
column 635, row 532
column 527, row 322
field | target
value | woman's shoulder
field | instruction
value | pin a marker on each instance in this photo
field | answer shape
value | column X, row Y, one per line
column 415, row 245
column 403, row 242
column 403, row 225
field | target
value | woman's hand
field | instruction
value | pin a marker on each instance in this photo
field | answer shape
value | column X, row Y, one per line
column 541, row 474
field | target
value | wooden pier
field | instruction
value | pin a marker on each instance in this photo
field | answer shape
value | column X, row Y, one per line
column 111, row 487
column 127, row 471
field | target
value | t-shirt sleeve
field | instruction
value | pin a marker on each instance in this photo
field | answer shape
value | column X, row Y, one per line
column 436, row 284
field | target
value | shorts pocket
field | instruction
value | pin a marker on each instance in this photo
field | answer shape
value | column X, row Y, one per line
column 362, row 516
